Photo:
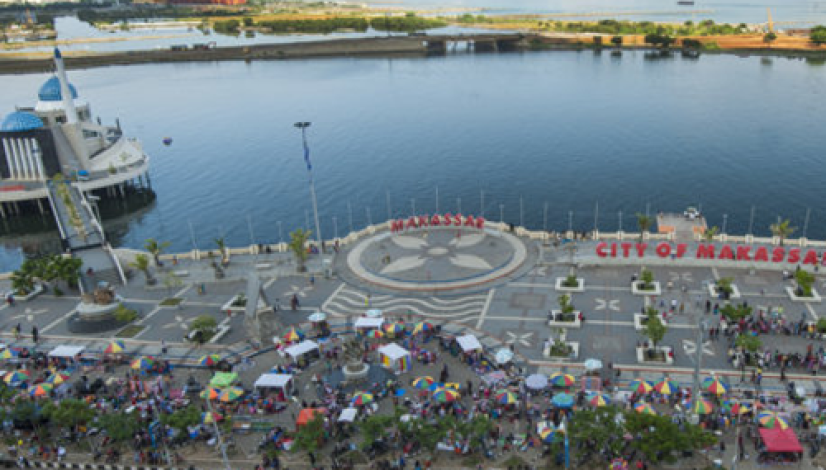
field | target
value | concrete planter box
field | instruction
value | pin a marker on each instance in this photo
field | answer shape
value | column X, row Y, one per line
column 657, row 290
column 715, row 293
column 642, row 357
column 227, row 307
column 38, row 289
column 795, row 298
column 574, row 345
column 639, row 325
column 579, row 288
column 565, row 324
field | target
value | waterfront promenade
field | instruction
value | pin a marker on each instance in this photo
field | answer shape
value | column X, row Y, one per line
column 497, row 284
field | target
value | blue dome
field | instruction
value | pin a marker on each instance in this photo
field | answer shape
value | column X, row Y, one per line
column 50, row 91
column 21, row 121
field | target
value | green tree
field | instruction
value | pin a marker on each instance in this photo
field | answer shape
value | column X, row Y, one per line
column 735, row 312
column 654, row 328
column 565, row 305
column 804, row 281
column 748, row 343
column 710, row 233
column 644, row 223
column 769, row 38
column 724, row 286
column 298, row 245
column 222, row 248
column 205, row 324
column 69, row 413
column 782, row 230
column 141, row 263
column 183, row 418
column 662, row 440
column 310, row 436
column 120, row 427
column 374, row 428
column 598, row 429
column 124, row 314
column 647, row 279
column 155, row 248
column 818, row 35
column 616, row 41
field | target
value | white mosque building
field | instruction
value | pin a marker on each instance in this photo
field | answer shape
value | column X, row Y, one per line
column 58, row 136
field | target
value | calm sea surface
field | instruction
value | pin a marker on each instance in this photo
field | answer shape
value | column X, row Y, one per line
column 570, row 129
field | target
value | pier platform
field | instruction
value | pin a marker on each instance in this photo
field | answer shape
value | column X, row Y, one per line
column 683, row 225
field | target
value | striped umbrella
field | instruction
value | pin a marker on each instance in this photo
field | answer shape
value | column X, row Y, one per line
column 293, row 334
column 17, row 376
column 9, row 353
column 211, row 393
column 563, row 400
column 505, row 397
column 57, row 378
column 599, row 399
column 211, row 417
column 701, row 407
column 374, row 334
column 40, row 390
column 143, row 363
column 115, row 347
column 362, row 398
column 770, row 419
column 715, row 385
column 422, row 383
column 453, row 386
column 666, row 387
column 645, row 408
column 231, row 394
column 558, row 379
column 394, row 328
column 422, row 327
column 210, row 360
column 446, row 395
column 547, row 435
column 641, row 386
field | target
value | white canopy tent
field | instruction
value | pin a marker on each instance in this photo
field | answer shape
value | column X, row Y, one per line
column 65, row 351
column 368, row 322
column 469, row 343
column 297, row 350
column 395, row 358
column 348, row 415
column 283, row 382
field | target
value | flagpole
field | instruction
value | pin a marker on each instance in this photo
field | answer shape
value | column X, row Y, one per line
column 303, row 126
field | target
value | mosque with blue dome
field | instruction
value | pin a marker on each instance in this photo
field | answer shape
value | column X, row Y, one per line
column 59, row 136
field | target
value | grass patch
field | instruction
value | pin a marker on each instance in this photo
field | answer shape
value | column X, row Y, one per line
column 130, row 331
column 171, row 301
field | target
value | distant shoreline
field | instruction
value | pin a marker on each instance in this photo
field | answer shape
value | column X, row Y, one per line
column 393, row 46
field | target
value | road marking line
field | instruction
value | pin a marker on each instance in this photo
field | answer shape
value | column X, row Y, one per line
column 529, row 284
column 56, row 322
column 181, row 292
column 485, row 309
column 332, row 296
column 715, row 273
column 270, row 283
column 149, row 315
column 811, row 311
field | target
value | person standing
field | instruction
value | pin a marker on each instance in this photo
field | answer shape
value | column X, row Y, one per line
column 35, row 333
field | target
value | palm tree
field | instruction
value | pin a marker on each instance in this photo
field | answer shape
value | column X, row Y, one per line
column 782, row 230
column 710, row 233
column 298, row 245
column 141, row 263
column 155, row 248
column 644, row 223
column 222, row 247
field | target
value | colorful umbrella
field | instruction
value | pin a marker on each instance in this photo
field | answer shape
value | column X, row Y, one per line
column 115, row 347
column 641, row 386
column 223, row 379
column 57, row 378
column 40, row 390
column 422, row 327
column 21, row 375
column 536, row 381
column 563, row 400
column 293, row 334
column 231, row 394
column 212, row 417
column 210, row 360
column 446, row 395
column 547, row 435
column 738, row 408
column 667, row 387
column 453, row 386
column 619, row 464
column 317, row 317
column 715, row 385
column 374, row 334
column 645, row 408
column 701, row 407
column 211, row 393
column 9, row 353
column 771, row 420
column 394, row 328
column 558, row 379
column 423, row 383
column 362, row 398
column 599, row 399
column 143, row 363
column 505, row 397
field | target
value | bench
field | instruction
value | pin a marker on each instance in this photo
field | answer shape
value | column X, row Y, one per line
column 181, row 273
column 262, row 266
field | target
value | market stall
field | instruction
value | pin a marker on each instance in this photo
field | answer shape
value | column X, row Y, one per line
column 281, row 384
column 307, row 414
column 469, row 343
column 306, row 350
column 779, row 447
column 395, row 358
column 70, row 356
column 363, row 324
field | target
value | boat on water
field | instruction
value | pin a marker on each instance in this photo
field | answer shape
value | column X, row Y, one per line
column 687, row 3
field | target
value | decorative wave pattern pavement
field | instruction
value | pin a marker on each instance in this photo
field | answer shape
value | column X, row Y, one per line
column 348, row 301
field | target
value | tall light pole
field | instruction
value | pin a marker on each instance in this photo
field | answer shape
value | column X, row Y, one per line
column 303, row 126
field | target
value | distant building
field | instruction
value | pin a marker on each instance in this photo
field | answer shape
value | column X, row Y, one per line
column 208, row 2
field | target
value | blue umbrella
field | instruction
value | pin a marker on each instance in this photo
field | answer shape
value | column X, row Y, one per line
column 563, row 400
column 400, row 392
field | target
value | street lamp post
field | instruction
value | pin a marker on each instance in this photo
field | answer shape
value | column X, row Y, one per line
column 303, row 126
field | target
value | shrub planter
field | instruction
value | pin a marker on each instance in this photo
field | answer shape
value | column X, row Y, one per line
column 715, row 293
column 561, row 288
column 37, row 290
column 572, row 355
column 797, row 298
column 636, row 290
column 575, row 323
column 639, row 321
column 228, row 307
column 663, row 355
